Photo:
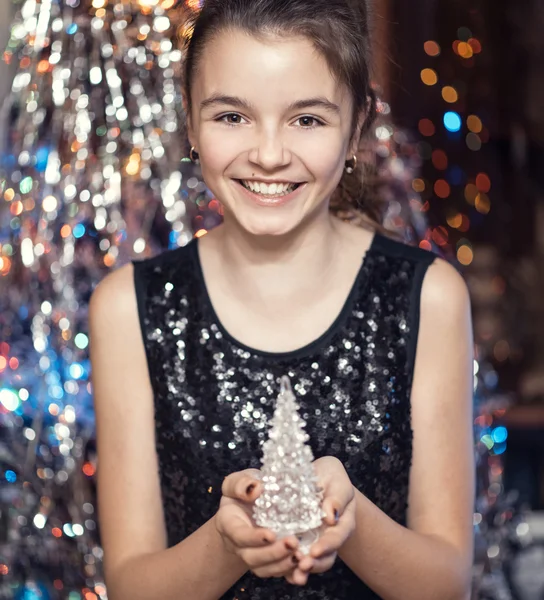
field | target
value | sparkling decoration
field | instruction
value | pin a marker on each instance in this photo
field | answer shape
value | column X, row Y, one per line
column 291, row 502
column 91, row 174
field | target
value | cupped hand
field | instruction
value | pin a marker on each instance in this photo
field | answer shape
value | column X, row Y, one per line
column 256, row 546
column 339, row 522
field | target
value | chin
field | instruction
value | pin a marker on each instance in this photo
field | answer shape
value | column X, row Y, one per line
column 268, row 225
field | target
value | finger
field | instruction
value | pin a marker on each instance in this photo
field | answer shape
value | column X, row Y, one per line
column 278, row 568
column 318, row 565
column 257, row 558
column 297, row 577
column 337, row 498
column 331, row 540
column 242, row 485
column 244, row 535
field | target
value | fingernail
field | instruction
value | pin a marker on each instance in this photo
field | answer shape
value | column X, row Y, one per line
column 290, row 545
column 250, row 488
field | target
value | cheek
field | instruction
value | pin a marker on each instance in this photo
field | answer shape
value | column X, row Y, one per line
column 325, row 162
column 322, row 151
column 218, row 149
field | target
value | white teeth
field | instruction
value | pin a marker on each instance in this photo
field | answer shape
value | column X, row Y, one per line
column 269, row 189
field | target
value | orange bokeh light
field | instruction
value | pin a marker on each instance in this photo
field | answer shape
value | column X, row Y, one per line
column 418, row 185
column 465, row 255
column 482, row 203
column 425, row 245
column 109, row 260
column 16, row 208
column 475, row 45
column 471, row 191
column 465, row 50
column 450, row 94
column 429, row 76
column 431, row 48
column 483, row 183
column 455, row 221
column 88, row 469
column 442, row 188
column 474, row 123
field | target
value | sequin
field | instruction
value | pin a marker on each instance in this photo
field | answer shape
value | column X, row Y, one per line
column 214, row 397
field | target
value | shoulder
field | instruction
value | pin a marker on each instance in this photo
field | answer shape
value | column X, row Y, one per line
column 444, row 292
column 114, row 299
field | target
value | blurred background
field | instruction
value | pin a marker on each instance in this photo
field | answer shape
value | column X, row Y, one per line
column 94, row 172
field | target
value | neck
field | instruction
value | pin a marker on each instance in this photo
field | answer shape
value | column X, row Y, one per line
column 276, row 269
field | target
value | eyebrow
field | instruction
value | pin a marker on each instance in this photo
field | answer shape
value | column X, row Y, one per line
column 319, row 102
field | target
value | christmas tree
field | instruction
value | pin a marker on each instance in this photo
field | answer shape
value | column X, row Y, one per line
column 291, row 500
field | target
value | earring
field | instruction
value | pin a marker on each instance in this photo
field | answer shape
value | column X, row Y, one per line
column 351, row 167
column 194, row 156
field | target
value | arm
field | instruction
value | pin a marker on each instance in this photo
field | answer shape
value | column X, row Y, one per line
column 137, row 563
column 432, row 558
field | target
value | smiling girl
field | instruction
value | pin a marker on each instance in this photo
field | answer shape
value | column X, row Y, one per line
column 188, row 348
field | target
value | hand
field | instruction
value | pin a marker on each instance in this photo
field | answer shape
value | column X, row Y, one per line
column 256, row 546
column 339, row 523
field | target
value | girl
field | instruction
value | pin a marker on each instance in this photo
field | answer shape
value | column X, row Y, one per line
column 188, row 347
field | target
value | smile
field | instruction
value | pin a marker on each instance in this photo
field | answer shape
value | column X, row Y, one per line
column 269, row 190
column 267, row 194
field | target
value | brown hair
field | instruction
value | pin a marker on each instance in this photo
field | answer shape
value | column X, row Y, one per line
column 340, row 31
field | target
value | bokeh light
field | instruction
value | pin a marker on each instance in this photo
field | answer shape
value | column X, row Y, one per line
column 431, row 48
column 474, row 124
column 450, row 94
column 465, row 254
column 429, row 77
column 452, row 121
column 426, row 127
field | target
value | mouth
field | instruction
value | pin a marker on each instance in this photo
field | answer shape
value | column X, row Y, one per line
column 274, row 195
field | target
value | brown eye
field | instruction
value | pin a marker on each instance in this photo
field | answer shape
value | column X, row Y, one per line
column 309, row 122
column 230, row 119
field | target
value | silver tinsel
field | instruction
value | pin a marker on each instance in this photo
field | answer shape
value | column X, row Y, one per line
column 291, row 502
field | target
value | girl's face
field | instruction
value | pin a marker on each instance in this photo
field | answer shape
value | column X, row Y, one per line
column 269, row 112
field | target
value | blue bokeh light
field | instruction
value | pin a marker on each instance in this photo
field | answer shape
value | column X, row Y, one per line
column 452, row 121
column 500, row 434
column 79, row 230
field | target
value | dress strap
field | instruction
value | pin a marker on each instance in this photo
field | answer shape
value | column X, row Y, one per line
column 421, row 259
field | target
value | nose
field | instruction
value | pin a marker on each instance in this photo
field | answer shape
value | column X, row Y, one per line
column 270, row 153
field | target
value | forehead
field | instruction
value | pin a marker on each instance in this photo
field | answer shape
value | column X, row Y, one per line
column 266, row 71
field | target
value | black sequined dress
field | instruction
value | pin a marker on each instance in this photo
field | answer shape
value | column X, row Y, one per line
column 214, row 396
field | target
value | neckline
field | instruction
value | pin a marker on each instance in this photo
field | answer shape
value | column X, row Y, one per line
column 307, row 348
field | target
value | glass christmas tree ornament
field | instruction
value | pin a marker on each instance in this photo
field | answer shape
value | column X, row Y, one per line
column 291, row 501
